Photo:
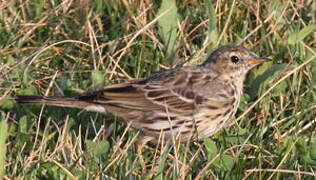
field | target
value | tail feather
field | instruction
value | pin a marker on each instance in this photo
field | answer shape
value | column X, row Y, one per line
column 25, row 99
column 52, row 101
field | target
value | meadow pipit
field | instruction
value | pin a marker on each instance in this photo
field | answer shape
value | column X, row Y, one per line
column 191, row 102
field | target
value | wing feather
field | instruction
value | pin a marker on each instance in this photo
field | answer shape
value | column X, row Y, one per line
column 171, row 91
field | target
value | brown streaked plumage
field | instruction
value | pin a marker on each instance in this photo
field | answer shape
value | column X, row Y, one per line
column 190, row 102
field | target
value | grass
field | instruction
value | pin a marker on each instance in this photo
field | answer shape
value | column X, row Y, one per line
column 65, row 47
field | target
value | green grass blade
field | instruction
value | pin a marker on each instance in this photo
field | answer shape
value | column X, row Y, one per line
column 262, row 80
column 3, row 136
column 212, row 28
column 211, row 148
column 168, row 24
column 313, row 150
column 298, row 36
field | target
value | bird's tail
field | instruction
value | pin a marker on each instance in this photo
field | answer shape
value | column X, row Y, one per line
column 52, row 101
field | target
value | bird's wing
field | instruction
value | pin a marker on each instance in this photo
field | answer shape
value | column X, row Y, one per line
column 175, row 90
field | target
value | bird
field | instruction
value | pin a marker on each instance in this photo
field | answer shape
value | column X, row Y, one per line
column 188, row 103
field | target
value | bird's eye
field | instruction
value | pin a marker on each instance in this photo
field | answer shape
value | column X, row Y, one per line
column 234, row 59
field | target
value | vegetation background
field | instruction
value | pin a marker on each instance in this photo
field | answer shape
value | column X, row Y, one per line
column 64, row 47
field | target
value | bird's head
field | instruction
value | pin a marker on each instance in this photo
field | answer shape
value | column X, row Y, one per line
column 233, row 60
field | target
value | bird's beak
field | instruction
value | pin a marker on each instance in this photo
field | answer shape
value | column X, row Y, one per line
column 257, row 60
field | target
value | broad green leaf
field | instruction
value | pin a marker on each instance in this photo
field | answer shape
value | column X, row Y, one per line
column 236, row 137
column 313, row 150
column 168, row 23
column 158, row 177
column 7, row 104
column 210, row 148
column 281, row 88
column 97, row 149
column 224, row 162
column 244, row 98
column 97, row 79
column 242, row 131
column 23, row 124
column 260, row 83
column 10, row 60
column 26, row 78
column 39, row 5
column 3, row 148
column 50, row 170
column 300, row 35
column 28, row 91
column 301, row 146
column 227, row 162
